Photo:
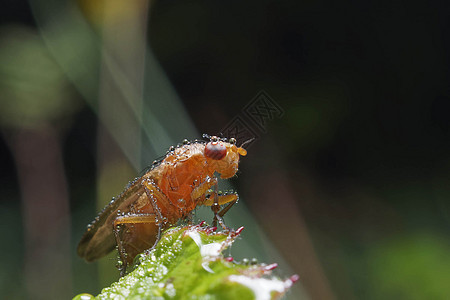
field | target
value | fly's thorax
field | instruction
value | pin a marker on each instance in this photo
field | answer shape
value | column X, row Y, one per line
column 180, row 173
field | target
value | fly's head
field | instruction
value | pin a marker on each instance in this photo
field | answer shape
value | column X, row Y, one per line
column 223, row 156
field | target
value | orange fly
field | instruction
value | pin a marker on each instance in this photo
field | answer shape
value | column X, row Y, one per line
column 168, row 192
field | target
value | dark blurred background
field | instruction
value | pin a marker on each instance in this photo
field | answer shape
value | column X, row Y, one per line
column 348, row 185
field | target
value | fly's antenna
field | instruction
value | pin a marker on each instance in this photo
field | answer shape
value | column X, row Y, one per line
column 246, row 142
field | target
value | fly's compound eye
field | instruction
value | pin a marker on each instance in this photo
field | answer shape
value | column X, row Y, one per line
column 215, row 150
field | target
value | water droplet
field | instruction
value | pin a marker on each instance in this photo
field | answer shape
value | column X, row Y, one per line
column 84, row 297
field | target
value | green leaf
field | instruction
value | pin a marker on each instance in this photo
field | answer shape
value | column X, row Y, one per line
column 187, row 263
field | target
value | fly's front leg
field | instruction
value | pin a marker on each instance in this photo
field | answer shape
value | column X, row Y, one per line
column 198, row 195
column 215, row 207
column 201, row 190
column 219, row 200
column 214, row 199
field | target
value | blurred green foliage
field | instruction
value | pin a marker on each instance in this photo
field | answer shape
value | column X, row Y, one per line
column 34, row 90
column 410, row 267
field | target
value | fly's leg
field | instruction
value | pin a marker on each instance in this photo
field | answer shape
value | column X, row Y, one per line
column 222, row 199
column 158, row 201
column 219, row 213
column 215, row 200
column 201, row 190
column 215, row 207
column 189, row 218
column 227, row 208
column 129, row 219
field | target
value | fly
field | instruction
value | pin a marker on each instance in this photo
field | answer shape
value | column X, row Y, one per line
column 168, row 192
